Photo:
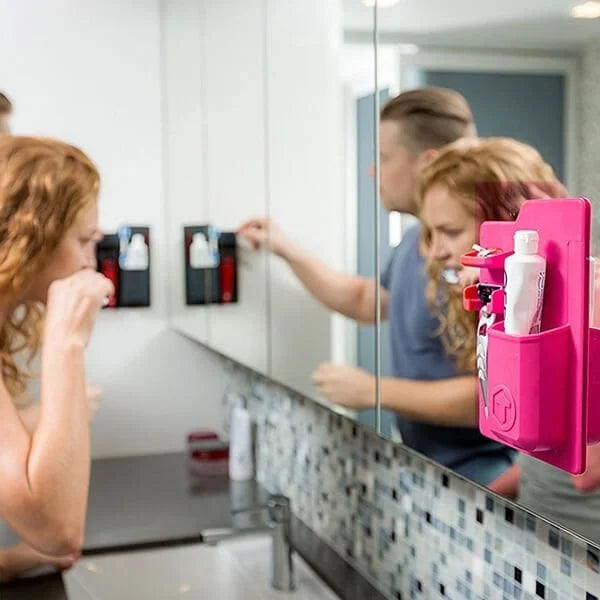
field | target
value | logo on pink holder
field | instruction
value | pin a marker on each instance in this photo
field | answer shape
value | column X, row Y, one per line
column 503, row 408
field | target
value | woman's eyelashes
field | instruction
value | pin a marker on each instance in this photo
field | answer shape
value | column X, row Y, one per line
column 451, row 233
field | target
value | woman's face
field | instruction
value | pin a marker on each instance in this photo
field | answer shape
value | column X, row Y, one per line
column 76, row 251
column 453, row 229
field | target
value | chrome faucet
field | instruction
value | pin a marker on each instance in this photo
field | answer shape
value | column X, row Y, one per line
column 278, row 507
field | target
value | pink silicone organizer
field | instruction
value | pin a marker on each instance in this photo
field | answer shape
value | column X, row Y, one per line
column 537, row 385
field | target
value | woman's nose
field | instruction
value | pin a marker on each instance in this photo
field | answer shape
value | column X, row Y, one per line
column 90, row 261
column 437, row 249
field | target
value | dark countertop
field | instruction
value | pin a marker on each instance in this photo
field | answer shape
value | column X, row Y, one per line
column 152, row 501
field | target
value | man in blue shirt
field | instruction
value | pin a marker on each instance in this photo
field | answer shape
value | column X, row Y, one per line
column 436, row 406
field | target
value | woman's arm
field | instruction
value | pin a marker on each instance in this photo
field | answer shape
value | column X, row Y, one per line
column 20, row 558
column 30, row 414
column 45, row 475
column 507, row 484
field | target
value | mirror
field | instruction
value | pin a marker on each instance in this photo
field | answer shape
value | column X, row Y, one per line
column 526, row 71
column 278, row 129
column 291, row 136
column 216, row 161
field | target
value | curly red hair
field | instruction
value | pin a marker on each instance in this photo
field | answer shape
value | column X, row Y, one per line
column 491, row 178
column 44, row 185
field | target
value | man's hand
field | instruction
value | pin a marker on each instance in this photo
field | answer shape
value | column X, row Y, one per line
column 346, row 386
column 264, row 233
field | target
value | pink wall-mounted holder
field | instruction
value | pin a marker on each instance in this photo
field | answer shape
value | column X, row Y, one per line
column 537, row 395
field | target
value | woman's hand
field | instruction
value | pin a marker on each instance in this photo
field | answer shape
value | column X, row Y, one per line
column 468, row 276
column 589, row 481
column 507, row 484
column 72, row 306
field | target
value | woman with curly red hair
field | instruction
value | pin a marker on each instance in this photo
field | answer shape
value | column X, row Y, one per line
column 50, row 294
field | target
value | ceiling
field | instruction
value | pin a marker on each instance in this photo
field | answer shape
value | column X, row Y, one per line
column 530, row 24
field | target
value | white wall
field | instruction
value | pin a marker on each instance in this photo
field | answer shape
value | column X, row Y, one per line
column 89, row 73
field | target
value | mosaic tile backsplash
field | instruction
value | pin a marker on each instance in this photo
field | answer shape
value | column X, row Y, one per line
column 417, row 530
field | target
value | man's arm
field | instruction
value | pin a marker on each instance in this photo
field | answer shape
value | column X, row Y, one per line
column 450, row 402
column 352, row 296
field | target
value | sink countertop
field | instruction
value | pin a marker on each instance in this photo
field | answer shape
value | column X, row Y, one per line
column 233, row 569
column 146, row 502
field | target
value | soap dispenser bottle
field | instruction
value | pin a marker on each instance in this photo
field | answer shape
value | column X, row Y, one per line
column 137, row 254
column 134, row 263
column 241, row 451
column 200, row 255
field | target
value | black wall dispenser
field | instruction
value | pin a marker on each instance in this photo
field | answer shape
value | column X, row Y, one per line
column 211, row 275
column 124, row 257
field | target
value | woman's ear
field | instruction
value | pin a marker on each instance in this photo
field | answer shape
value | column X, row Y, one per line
column 426, row 157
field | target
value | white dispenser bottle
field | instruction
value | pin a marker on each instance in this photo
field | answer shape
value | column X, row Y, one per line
column 200, row 256
column 137, row 254
column 241, row 451
column 525, row 273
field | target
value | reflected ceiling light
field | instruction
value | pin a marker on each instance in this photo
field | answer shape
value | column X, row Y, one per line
column 380, row 3
column 587, row 10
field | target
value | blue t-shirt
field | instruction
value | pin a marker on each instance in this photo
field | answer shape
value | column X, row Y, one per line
column 418, row 353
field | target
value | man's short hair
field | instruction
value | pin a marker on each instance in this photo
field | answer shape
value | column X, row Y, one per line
column 5, row 104
column 430, row 117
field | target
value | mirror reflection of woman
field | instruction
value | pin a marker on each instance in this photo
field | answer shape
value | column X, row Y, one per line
column 469, row 182
column 434, row 405
column 50, row 294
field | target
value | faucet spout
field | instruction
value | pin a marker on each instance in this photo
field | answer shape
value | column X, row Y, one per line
column 282, row 566
column 282, row 576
